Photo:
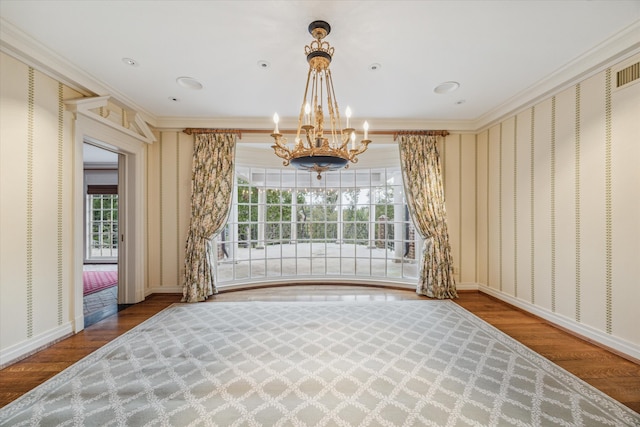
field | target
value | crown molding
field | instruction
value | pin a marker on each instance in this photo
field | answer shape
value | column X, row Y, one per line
column 617, row 48
column 172, row 123
column 18, row 44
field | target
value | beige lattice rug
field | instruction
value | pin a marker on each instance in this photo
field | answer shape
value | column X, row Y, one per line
column 397, row 363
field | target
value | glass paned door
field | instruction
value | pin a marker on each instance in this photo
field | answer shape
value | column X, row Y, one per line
column 103, row 226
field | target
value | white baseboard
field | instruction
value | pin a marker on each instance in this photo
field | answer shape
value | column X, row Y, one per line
column 623, row 348
column 26, row 348
column 163, row 290
column 467, row 286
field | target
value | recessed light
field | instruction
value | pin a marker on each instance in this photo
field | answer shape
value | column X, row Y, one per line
column 189, row 83
column 173, row 98
column 446, row 87
column 375, row 66
column 131, row 62
column 264, row 64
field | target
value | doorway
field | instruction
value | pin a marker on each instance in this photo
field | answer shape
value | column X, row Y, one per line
column 101, row 233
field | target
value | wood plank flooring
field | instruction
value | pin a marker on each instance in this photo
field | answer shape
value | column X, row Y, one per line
column 615, row 376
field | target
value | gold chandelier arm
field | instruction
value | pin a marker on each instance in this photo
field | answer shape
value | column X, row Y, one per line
column 283, row 153
column 280, row 142
column 361, row 149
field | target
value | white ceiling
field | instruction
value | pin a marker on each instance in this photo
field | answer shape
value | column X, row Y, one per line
column 497, row 50
column 95, row 155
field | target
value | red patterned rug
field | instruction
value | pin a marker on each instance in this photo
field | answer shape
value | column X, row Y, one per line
column 95, row 281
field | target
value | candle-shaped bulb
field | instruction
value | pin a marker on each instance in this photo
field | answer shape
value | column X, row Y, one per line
column 276, row 119
column 307, row 113
column 353, row 140
column 366, row 129
column 347, row 112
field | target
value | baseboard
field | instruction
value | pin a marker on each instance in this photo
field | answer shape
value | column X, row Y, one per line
column 31, row 346
column 163, row 290
column 467, row 286
column 616, row 345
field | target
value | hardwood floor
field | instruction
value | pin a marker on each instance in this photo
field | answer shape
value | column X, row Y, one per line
column 615, row 376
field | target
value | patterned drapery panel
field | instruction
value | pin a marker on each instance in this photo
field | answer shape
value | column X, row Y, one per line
column 211, row 195
column 424, row 192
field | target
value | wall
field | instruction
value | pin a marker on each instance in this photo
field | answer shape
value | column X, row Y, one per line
column 458, row 157
column 558, row 210
column 168, row 209
column 36, row 157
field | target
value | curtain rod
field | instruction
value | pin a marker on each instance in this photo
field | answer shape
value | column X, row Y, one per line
column 239, row 132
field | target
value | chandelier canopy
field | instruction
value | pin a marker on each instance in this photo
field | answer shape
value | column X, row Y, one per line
column 320, row 145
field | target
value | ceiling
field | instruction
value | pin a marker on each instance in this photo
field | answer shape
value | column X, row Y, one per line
column 500, row 52
column 92, row 155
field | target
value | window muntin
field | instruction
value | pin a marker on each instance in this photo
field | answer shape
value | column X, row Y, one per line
column 102, row 232
column 285, row 224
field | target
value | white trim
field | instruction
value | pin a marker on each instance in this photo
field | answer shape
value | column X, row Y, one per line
column 87, row 127
column 85, row 105
column 467, row 286
column 599, row 337
column 163, row 290
column 24, row 349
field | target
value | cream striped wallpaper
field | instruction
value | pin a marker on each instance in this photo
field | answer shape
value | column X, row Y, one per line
column 558, row 209
column 36, row 152
column 168, row 198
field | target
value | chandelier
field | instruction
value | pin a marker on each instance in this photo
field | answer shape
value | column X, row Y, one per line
column 320, row 145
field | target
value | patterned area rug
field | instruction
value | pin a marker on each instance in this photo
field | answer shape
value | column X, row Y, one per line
column 396, row 363
column 94, row 281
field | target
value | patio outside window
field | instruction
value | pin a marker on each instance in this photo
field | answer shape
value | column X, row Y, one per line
column 352, row 225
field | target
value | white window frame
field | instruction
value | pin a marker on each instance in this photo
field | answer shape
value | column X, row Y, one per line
column 335, row 257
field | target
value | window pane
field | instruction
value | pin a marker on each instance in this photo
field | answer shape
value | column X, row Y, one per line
column 286, row 223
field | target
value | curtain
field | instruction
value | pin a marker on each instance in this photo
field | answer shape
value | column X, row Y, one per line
column 424, row 192
column 211, row 196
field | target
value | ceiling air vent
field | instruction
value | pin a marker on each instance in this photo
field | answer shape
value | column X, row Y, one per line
column 628, row 75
